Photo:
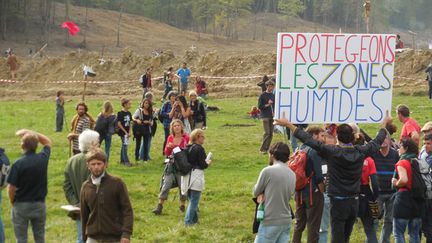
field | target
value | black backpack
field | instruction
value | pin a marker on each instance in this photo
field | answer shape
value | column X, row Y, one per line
column 181, row 161
column 4, row 168
column 418, row 188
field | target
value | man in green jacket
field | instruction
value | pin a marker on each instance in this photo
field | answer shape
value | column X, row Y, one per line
column 76, row 172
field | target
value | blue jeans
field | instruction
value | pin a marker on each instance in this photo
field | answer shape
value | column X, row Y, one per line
column 277, row 233
column 370, row 226
column 167, row 133
column 400, row 225
column 123, row 152
column 108, row 139
column 24, row 213
column 59, row 121
column 325, row 220
column 386, row 206
column 79, row 231
column 191, row 216
column 144, row 146
column 141, row 150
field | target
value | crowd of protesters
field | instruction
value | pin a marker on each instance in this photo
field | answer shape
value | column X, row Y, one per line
column 86, row 182
column 353, row 176
column 350, row 174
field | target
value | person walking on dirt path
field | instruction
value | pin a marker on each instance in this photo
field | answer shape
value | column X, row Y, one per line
column 59, row 111
column 266, row 105
column 184, row 74
column 12, row 62
column 81, row 121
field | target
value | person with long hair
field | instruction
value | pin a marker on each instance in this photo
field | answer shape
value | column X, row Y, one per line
column 143, row 120
column 407, row 211
column 177, row 138
column 183, row 112
column 105, row 126
column 193, row 183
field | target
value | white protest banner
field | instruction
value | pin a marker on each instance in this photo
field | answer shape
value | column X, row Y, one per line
column 334, row 78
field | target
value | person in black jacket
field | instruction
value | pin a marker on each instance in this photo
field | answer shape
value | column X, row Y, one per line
column 199, row 116
column 266, row 105
column 345, row 162
column 193, row 183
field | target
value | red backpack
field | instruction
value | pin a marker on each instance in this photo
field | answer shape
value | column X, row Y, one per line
column 297, row 163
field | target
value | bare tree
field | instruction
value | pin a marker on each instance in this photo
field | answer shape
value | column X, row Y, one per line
column 118, row 24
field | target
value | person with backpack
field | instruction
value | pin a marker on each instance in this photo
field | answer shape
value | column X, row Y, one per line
column 199, row 116
column 168, row 81
column 146, row 81
column 425, row 163
column 105, row 126
column 143, row 120
column 409, row 198
column 166, row 115
column 310, row 200
column 195, row 179
column 344, row 162
column 177, row 139
column 4, row 173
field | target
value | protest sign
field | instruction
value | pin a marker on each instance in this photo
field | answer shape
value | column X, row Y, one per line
column 334, row 78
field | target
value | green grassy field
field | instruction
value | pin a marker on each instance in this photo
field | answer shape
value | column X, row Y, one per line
column 226, row 208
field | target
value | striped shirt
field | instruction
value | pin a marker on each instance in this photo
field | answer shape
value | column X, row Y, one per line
column 83, row 124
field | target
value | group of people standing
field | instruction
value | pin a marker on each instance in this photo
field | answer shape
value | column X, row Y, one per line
column 350, row 176
column 106, row 213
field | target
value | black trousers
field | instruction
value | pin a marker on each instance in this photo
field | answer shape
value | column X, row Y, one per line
column 343, row 214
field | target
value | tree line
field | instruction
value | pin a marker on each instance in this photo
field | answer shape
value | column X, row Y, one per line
column 221, row 17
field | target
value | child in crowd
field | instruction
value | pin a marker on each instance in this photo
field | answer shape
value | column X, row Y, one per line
column 254, row 113
column 124, row 118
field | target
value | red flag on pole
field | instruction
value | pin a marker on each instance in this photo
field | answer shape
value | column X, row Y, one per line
column 72, row 27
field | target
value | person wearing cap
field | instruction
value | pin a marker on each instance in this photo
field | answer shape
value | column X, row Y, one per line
column 411, row 128
column 266, row 105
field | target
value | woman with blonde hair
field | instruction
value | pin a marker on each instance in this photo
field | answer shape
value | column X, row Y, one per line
column 105, row 126
column 177, row 139
column 193, row 183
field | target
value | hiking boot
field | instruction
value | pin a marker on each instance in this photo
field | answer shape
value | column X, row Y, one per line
column 158, row 209
column 182, row 208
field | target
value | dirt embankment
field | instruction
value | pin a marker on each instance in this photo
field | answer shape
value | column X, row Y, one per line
column 129, row 67
column 409, row 73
